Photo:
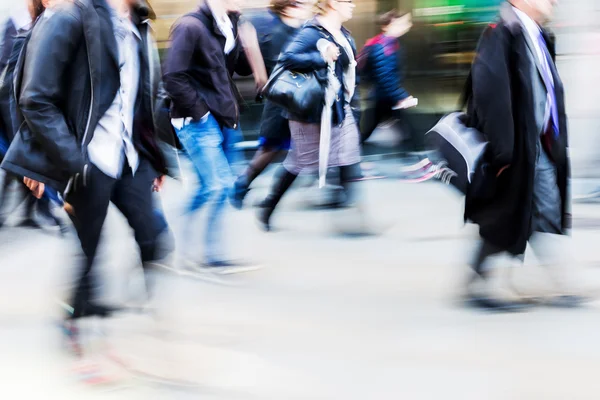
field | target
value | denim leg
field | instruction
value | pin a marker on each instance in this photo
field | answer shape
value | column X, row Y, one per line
column 231, row 137
column 203, row 142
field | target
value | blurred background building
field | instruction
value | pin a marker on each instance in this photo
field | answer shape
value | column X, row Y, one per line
column 439, row 52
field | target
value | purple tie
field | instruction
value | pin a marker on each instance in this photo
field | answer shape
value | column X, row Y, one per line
column 547, row 78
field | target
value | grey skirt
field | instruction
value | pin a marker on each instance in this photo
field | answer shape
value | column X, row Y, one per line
column 304, row 154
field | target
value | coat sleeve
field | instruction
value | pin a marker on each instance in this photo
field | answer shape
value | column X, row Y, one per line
column 492, row 97
column 184, row 38
column 302, row 53
column 49, row 54
column 242, row 66
column 386, row 74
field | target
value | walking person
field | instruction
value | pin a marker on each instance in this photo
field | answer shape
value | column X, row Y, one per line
column 92, row 136
column 284, row 21
column 325, row 47
column 517, row 101
column 15, row 30
column 382, row 63
column 205, row 52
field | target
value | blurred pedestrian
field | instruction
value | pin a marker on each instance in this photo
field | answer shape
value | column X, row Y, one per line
column 205, row 53
column 382, row 64
column 15, row 29
column 329, row 139
column 284, row 21
column 102, row 152
column 517, row 101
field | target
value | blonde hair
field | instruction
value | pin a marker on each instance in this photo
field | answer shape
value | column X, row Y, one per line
column 322, row 7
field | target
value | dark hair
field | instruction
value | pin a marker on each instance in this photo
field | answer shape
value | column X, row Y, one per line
column 387, row 18
column 38, row 8
column 279, row 6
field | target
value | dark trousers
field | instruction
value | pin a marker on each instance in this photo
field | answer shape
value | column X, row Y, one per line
column 382, row 111
column 132, row 195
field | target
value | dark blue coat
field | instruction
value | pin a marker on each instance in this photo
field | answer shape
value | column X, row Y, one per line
column 302, row 55
column 384, row 65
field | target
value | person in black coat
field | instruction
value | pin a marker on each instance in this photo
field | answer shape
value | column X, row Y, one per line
column 284, row 20
column 15, row 32
column 517, row 102
column 92, row 136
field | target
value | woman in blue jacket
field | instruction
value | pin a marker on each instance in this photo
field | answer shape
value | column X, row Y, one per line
column 323, row 46
column 383, row 59
column 274, row 32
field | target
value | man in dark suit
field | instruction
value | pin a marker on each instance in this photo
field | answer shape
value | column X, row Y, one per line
column 88, row 81
column 517, row 102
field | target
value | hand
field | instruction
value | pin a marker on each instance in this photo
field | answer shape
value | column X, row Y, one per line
column 402, row 104
column 69, row 208
column 331, row 53
column 158, row 183
column 502, row 170
column 37, row 188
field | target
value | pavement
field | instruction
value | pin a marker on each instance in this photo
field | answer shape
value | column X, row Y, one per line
column 326, row 317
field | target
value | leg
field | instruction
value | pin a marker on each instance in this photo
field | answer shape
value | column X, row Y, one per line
column 371, row 118
column 349, row 174
column 204, row 142
column 231, row 137
column 415, row 143
column 8, row 179
column 90, row 206
column 551, row 247
column 30, row 202
column 133, row 197
column 263, row 157
column 282, row 183
column 485, row 251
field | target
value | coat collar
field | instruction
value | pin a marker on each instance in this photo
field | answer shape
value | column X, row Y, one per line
column 510, row 18
column 233, row 16
column 315, row 23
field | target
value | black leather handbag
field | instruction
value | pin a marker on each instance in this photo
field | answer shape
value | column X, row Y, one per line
column 300, row 93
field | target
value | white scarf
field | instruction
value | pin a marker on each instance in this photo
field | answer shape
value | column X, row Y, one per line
column 331, row 91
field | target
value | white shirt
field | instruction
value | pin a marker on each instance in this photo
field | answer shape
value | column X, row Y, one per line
column 113, row 135
column 21, row 18
column 534, row 32
column 226, row 27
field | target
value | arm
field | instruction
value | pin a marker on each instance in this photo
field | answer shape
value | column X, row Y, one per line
column 178, row 85
column 49, row 55
column 250, row 60
column 387, row 74
column 492, row 97
column 302, row 53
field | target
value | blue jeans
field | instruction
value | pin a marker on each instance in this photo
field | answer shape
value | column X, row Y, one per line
column 210, row 149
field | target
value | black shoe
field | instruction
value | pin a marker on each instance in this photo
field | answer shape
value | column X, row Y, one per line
column 238, row 192
column 264, row 216
column 282, row 183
